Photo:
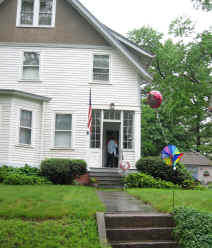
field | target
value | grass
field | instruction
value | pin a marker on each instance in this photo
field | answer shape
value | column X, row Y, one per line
column 48, row 217
column 162, row 199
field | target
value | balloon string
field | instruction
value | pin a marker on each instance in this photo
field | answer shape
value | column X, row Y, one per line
column 163, row 133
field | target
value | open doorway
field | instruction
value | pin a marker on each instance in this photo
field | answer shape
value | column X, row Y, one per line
column 111, row 144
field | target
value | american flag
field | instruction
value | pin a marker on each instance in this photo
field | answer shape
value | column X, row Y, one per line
column 90, row 114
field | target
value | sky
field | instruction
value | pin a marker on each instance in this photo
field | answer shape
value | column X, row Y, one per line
column 126, row 15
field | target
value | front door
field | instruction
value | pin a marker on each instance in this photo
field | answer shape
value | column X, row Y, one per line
column 111, row 144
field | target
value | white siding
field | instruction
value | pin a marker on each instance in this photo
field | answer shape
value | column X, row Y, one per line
column 5, row 110
column 22, row 154
column 66, row 75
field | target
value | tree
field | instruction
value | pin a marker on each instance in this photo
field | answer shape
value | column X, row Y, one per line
column 182, row 73
column 205, row 5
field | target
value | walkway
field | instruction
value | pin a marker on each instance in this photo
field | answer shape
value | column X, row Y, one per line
column 120, row 201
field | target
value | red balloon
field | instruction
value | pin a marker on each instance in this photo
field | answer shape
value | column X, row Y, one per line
column 154, row 99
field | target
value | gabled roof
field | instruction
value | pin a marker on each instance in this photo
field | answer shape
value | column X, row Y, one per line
column 113, row 39
column 125, row 47
column 11, row 92
column 195, row 159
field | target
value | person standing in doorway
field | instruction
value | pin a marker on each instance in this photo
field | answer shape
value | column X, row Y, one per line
column 112, row 148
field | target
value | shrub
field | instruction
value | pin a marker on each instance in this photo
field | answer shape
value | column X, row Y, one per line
column 155, row 167
column 4, row 171
column 193, row 229
column 28, row 170
column 20, row 179
column 141, row 180
column 62, row 171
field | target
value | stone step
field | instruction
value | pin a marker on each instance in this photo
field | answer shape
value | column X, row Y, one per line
column 139, row 234
column 146, row 244
column 138, row 220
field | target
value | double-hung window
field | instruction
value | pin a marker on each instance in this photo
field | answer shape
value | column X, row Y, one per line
column 36, row 13
column 101, row 68
column 25, row 130
column 63, row 130
column 31, row 66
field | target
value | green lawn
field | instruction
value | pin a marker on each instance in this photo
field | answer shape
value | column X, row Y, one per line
column 48, row 217
column 162, row 199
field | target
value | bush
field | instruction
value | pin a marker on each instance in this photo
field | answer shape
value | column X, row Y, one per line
column 193, row 229
column 62, row 171
column 20, row 179
column 4, row 171
column 141, row 180
column 28, row 170
column 155, row 167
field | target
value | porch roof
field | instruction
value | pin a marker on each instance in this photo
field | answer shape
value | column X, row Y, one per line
column 24, row 94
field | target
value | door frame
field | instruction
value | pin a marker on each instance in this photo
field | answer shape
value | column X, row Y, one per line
column 119, row 141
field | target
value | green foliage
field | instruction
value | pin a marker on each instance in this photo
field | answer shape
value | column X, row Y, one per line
column 182, row 73
column 203, row 4
column 142, row 180
column 62, row 171
column 155, row 167
column 22, row 175
column 193, row 228
column 21, row 179
column 181, row 26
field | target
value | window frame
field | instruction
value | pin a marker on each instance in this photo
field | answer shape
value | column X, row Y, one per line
column 109, row 68
column 19, row 127
column 133, row 131
column 36, row 14
column 94, row 134
column 22, row 67
column 71, row 131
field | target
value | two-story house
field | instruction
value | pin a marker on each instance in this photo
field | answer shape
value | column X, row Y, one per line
column 52, row 52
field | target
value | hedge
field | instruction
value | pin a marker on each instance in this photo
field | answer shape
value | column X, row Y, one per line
column 62, row 171
column 155, row 167
column 141, row 180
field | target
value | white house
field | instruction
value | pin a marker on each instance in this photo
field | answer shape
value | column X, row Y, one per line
column 52, row 53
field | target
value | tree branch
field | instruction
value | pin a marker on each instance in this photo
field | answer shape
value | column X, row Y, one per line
column 158, row 68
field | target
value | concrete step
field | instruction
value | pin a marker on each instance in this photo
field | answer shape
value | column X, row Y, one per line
column 146, row 244
column 110, row 186
column 108, row 183
column 112, row 179
column 140, row 234
column 128, row 220
column 105, row 174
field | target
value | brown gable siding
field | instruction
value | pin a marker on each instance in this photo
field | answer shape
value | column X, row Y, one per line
column 70, row 27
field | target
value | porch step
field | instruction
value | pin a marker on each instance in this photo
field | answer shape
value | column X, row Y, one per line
column 107, row 177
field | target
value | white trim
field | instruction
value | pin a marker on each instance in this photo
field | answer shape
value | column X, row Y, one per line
column 52, row 45
column 36, row 12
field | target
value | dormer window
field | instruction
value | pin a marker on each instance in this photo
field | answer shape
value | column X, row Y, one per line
column 36, row 13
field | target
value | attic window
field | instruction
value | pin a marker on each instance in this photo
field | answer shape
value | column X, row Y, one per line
column 36, row 13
